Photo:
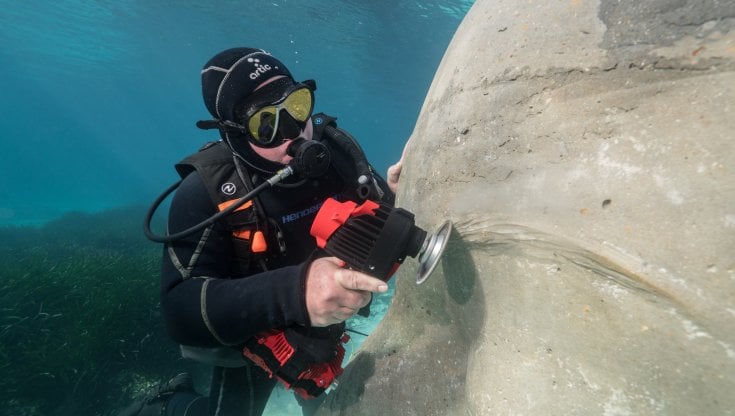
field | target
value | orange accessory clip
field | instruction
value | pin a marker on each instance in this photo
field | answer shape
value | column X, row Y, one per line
column 258, row 245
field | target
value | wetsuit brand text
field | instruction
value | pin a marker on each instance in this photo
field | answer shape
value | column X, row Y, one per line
column 259, row 69
column 301, row 214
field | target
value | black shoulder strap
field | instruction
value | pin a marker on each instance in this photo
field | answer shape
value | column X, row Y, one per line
column 224, row 179
column 320, row 121
column 212, row 153
column 350, row 161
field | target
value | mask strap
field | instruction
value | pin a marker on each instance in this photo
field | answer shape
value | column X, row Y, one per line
column 222, row 125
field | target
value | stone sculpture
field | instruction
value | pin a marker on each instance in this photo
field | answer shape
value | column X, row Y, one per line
column 585, row 151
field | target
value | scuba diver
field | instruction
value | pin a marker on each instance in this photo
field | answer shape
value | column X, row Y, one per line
column 242, row 280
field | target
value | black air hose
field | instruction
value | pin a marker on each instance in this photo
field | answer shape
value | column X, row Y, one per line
column 365, row 182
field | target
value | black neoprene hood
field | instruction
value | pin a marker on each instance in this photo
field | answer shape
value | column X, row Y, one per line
column 232, row 75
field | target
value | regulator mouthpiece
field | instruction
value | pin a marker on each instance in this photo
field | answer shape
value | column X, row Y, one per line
column 310, row 158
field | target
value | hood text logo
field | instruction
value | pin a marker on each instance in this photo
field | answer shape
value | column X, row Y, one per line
column 259, row 69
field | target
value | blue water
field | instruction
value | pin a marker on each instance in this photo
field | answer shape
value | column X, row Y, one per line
column 99, row 100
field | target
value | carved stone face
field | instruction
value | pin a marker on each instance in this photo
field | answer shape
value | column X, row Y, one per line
column 585, row 153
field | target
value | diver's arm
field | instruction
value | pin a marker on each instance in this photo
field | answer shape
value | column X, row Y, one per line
column 216, row 312
column 210, row 307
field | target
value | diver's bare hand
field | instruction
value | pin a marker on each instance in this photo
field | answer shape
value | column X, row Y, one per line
column 334, row 293
column 394, row 174
column 394, row 171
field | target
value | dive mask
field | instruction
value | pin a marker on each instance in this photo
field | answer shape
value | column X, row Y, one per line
column 279, row 110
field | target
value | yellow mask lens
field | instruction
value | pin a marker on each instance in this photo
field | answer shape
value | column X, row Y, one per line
column 298, row 104
column 263, row 124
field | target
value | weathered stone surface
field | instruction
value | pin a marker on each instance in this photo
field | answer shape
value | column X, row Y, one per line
column 585, row 151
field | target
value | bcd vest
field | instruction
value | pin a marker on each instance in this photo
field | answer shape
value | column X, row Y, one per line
column 260, row 228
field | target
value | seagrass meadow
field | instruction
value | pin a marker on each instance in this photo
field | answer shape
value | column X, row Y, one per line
column 79, row 328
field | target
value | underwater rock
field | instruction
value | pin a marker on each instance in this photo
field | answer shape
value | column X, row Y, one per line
column 585, row 152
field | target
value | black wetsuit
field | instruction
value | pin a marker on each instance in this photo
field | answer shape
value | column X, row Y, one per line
column 221, row 299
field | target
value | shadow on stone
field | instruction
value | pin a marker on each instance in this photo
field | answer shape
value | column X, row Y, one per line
column 459, row 269
column 358, row 372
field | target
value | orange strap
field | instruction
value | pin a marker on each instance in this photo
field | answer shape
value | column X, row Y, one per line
column 243, row 234
column 258, row 244
column 224, row 205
